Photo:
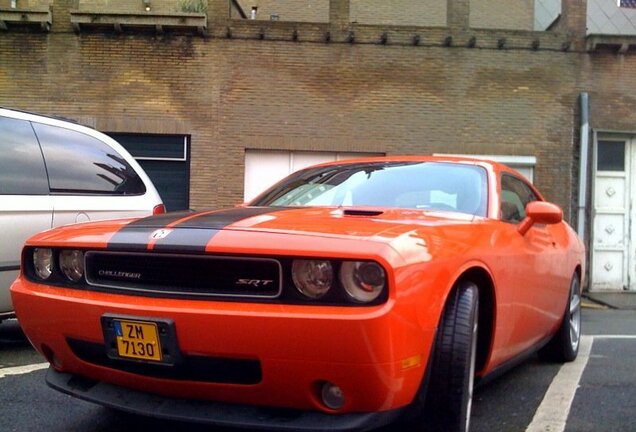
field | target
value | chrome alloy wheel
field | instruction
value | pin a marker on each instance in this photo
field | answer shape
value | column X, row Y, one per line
column 575, row 314
column 471, row 376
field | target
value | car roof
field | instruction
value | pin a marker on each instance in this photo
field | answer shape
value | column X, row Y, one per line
column 27, row 115
column 492, row 165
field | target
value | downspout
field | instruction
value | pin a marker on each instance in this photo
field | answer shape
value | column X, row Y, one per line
column 583, row 162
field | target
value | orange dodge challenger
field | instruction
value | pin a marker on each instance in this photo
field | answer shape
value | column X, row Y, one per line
column 346, row 296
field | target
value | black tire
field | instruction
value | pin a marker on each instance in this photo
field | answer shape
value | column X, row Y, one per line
column 450, row 391
column 564, row 345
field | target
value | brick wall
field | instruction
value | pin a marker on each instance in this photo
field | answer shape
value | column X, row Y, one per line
column 402, row 100
column 502, row 14
column 612, row 92
column 157, row 6
column 289, row 10
column 233, row 94
column 396, row 12
column 399, row 12
column 26, row 4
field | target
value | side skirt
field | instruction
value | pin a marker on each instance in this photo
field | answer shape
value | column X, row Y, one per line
column 512, row 363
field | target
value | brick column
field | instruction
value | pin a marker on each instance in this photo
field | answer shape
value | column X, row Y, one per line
column 218, row 12
column 61, row 14
column 339, row 15
column 458, row 14
column 574, row 17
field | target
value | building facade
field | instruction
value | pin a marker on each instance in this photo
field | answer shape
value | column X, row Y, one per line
column 216, row 104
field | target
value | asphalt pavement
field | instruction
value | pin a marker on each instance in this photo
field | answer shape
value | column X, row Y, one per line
column 604, row 398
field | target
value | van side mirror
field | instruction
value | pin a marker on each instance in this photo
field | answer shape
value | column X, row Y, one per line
column 540, row 212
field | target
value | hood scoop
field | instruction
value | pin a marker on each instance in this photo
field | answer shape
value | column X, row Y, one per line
column 362, row 212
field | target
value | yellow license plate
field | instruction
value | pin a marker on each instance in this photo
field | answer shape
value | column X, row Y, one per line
column 137, row 339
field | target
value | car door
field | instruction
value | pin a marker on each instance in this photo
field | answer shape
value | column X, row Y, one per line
column 25, row 205
column 537, row 260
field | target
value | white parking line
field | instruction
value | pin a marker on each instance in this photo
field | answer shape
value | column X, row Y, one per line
column 614, row 336
column 19, row 370
column 552, row 414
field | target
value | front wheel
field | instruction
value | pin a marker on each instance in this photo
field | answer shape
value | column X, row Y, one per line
column 450, row 393
column 564, row 345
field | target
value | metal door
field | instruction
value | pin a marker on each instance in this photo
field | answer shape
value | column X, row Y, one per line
column 631, row 217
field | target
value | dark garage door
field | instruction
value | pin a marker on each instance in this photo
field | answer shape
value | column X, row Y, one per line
column 165, row 158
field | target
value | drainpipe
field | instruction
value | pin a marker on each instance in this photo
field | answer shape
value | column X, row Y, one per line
column 585, row 143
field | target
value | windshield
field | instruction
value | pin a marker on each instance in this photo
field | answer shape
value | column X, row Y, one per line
column 415, row 185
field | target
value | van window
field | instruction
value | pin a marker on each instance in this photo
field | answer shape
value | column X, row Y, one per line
column 22, row 169
column 79, row 163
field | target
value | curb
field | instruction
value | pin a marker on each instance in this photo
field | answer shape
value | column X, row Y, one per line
column 591, row 303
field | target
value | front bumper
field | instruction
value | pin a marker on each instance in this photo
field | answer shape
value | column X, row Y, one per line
column 376, row 355
column 213, row 413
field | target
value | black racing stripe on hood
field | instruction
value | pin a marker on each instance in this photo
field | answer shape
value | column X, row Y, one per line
column 158, row 221
column 131, row 238
column 136, row 234
column 186, row 240
column 192, row 235
column 221, row 219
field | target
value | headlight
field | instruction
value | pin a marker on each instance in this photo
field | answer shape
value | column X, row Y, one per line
column 72, row 264
column 43, row 262
column 363, row 280
column 313, row 278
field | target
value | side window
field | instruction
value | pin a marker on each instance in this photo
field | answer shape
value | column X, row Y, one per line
column 515, row 195
column 79, row 163
column 22, row 170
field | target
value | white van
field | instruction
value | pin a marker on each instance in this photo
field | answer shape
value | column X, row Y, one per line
column 55, row 172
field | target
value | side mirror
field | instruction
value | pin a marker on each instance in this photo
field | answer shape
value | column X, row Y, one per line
column 540, row 212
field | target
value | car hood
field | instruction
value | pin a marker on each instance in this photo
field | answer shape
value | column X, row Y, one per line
column 330, row 222
column 265, row 229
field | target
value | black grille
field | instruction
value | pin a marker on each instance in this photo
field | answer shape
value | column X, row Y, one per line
column 196, row 275
column 191, row 368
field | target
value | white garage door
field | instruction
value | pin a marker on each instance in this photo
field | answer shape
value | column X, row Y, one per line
column 263, row 168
